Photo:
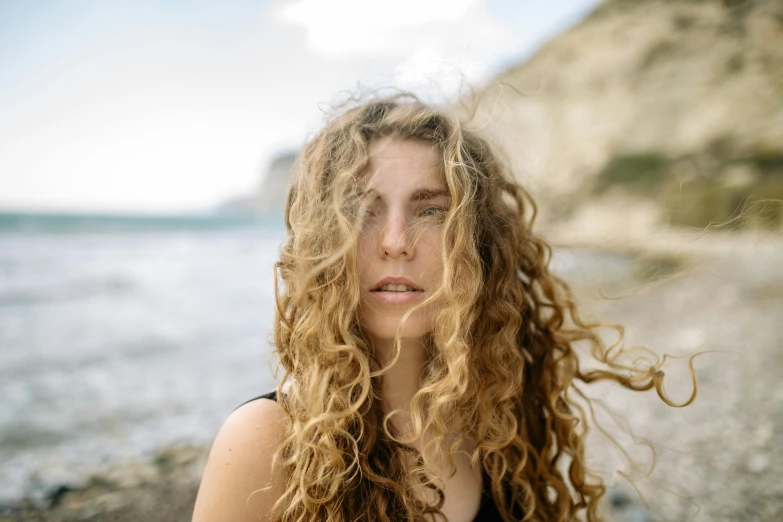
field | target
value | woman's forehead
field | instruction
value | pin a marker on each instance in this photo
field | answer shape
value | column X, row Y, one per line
column 396, row 160
column 392, row 149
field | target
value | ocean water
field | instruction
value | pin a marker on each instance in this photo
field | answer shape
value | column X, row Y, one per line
column 121, row 335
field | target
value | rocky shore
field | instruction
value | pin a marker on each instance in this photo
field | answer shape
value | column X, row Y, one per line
column 720, row 458
column 161, row 488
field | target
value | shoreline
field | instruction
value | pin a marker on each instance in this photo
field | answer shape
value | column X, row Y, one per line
column 163, row 487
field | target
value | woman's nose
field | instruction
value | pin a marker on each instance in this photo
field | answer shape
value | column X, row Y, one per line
column 396, row 241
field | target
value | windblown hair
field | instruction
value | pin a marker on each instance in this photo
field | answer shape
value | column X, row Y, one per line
column 502, row 362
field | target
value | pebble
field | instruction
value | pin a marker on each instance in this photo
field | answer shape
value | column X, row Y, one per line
column 623, row 508
column 758, row 462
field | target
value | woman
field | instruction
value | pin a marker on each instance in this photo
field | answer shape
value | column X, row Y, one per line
column 428, row 352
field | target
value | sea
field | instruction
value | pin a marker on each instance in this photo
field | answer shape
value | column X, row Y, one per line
column 122, row 335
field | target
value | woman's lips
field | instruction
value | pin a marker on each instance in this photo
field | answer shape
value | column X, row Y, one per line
column 396, row 298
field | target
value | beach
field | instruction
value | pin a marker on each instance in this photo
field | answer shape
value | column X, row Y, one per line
column 112, row 395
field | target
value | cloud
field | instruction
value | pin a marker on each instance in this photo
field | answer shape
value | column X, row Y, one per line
column 345, row 28
column 437, row 44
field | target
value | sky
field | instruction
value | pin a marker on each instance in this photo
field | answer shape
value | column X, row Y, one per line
column 174, row 106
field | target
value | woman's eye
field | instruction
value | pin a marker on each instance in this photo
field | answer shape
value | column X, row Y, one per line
column 433, row 211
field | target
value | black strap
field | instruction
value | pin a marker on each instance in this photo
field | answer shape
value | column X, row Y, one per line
column 271, row 396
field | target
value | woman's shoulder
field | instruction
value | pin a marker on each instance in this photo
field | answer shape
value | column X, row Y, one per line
column 260, row 412
column 259, row 419
column 239, row 468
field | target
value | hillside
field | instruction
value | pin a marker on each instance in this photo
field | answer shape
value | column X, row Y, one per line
column 649, row 112
column 271, row 192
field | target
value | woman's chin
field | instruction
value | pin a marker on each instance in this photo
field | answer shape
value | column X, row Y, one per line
column 387, row 332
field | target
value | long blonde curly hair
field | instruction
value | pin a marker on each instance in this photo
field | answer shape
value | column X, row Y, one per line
column 502, row 362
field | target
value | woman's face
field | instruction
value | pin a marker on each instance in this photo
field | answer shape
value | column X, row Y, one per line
column 399, row 261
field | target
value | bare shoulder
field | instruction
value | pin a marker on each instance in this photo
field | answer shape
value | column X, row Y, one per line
column 240, row 465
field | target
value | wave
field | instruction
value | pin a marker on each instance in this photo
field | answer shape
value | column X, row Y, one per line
column 113, row 284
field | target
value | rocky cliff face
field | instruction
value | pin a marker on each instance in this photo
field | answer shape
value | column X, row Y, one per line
column 647, row 104
column 271, row 193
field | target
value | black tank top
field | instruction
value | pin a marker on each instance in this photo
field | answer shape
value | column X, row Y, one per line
column 488, row 511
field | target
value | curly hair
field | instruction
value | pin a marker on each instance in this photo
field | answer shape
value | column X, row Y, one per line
column 502, row 362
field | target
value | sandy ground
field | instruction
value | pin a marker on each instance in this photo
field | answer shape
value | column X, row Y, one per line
column 720, row 459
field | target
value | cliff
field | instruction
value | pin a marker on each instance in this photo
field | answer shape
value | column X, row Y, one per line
column 271, row 192
column 649, row 112
column 274, row 187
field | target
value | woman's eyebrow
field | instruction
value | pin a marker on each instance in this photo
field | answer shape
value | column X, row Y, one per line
column 427, row 193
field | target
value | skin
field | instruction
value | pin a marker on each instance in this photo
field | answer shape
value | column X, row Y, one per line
column 240, row 463
column 401, row 237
